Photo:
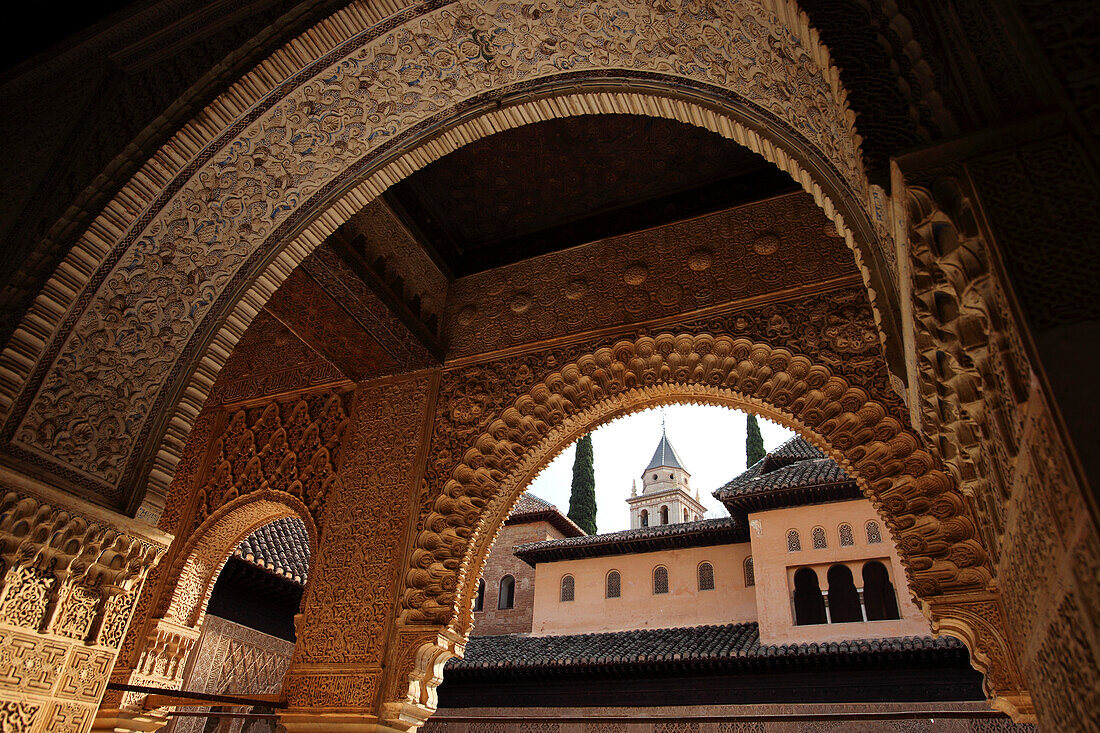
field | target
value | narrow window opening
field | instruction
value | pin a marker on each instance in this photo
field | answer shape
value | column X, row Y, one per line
column 507, row 597
column 843, row 597
column 660, row 580
column 750, row 573
column 567, row 583
column 879, row 597
column 794, row 542
column 614, row 584
column 874, row 535
column 706, row 576
column 819, row 538
column 847, row 539
column 809, row 606
column 479, row 599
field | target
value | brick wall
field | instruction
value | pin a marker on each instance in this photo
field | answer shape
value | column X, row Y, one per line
column 492, row 621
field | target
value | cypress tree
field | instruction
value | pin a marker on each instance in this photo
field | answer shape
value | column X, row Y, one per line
column 754, row 442
column 582, row 498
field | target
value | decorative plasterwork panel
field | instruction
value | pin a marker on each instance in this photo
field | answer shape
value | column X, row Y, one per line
column 976, row 393
column 349, row 599
column 84, row 394
column 731, row 255
column 306, row 309
column 269, row 360
column 231, row 659
column 68, row 586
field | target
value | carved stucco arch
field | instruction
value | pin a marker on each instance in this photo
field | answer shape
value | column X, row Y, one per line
column 189, row 251
column 947, row 569
column 921, row 504
column 191, row 577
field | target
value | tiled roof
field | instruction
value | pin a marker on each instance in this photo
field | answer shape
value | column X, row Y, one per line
column 665, row 456
column 530, row 504
column 798, row 449
column 531, row 508
column 281, row 547
column 803, row 473
column 795, row 473
column 736, row 645
column 644, row 539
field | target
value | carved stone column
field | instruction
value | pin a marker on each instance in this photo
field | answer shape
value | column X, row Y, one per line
column 979, row 394
column 71, row 576
column 345, row 630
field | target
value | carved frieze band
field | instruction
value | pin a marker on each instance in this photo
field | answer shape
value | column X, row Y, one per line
column 740, row 253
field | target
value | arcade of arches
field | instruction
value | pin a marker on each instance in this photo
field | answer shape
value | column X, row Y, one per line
column 386, row 260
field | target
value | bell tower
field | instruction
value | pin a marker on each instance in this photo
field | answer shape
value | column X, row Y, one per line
column 666, row 491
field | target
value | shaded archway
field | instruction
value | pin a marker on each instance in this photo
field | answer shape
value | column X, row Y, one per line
column 927, row 515
column 809, row 605
column 169, row 636
column 202, row 558
column 382, row 124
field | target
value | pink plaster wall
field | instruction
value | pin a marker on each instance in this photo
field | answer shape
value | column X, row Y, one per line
column 638, row 607
column 775, row 568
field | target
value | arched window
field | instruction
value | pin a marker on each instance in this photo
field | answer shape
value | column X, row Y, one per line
column 660, row 580
column 843, row 597
column 645, row 517
column 654, row 477
column 664, row 515
column 566, row 589
column 706, row 576
column 879, row 597
column 479, row 599
column 507, row 597
column 847, row 539
column 686, row 515
column 614, row 584
column 750, row 573
column 809, row 606
column 819, row 538
column 794, row 543
column 874, row 535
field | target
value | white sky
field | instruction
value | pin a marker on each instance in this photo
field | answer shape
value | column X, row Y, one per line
column 709, row 440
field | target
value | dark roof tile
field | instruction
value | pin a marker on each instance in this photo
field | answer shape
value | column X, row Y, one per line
column 795, row 473
column 643, row 539
column 281, row 547
column 665, row 456
column 729, row 643
column 531, row 508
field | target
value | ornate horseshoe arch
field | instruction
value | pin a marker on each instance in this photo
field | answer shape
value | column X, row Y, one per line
column 921, row 504
column 200, row 561
column 159, row 643
column 105, row 377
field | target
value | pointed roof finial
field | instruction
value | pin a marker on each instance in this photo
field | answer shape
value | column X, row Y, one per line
column 665, row 456
column 662, row 421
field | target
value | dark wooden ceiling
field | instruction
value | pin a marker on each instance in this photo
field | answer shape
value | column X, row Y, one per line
column 552, row 185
